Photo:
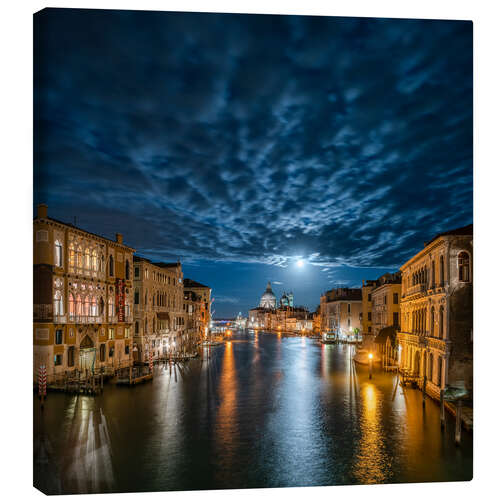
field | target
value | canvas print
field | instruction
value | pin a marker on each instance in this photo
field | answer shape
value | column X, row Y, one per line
column 252, row 251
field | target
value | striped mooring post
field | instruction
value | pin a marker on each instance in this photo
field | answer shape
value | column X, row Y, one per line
column 42, row 383
column 151, row 361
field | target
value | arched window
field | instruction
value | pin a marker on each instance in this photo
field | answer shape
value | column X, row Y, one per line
column 86, row 306
column 58, row 304
column 95, row 266
column 93, row 307
column 137, row 328
column 101, row 306
column 111, row 266
column 439, row 371
column 463, row 267
column 111, row 306
column 441, row 322
column 102, row 353
column 433, row 273
column 441, row 270
column 79, row 257
column 58, row 257
column 78, row 305
column 431, row 366
column 127, row 270
column 102, row 264
column 136, row 296
column 432, row 322
column 72, row 305
column 72, row 255
column 87, row 258
column 146, row 326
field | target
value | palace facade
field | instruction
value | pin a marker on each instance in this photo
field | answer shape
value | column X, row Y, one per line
column 204, row 292
column 341, row 312
column 385, row 300
column 82, row 304
column 159, row 317
column 436, row 312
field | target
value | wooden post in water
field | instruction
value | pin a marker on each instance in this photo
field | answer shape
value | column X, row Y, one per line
column 441, row 402
column 458, row 422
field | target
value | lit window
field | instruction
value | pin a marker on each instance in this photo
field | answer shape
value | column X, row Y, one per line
column 111, row 333
column 59, row 337
column 111, row 306
column 58, row 253
column 58, row 304
column 463, row 267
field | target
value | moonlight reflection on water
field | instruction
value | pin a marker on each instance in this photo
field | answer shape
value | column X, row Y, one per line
column 263, row 411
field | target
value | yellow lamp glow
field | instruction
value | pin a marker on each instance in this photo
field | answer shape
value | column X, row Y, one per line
column 370, row 355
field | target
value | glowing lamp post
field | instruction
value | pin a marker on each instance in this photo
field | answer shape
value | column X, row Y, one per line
column 370, row 357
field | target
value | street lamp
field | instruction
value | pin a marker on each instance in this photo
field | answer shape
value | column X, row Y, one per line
column 370, row 357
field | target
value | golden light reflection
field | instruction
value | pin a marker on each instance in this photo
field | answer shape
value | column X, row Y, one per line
column 372, row 462
column 226, row 427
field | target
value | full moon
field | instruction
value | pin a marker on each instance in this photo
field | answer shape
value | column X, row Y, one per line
column 300, row 263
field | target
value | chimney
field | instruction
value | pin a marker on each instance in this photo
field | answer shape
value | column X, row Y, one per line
column 41, row 211
column 119, row 238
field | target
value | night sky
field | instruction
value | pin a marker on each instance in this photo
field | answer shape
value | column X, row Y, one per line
column 241, row 143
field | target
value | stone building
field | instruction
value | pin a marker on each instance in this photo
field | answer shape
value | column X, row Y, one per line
column 341, row 312
column 159, row 316
column 436, row 311
column 385, row 299
column 366, row 307
column 257, row 318
column 82, row 304
column 195, row 314
column 205, row 293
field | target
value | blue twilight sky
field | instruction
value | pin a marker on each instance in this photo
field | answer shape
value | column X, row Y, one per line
column 241, row 143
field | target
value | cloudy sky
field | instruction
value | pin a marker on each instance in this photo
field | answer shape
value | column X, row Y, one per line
column 241, row 143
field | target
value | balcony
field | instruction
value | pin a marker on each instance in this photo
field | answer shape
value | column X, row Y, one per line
column 60, row 319
column 84, row 319
column 413, row 290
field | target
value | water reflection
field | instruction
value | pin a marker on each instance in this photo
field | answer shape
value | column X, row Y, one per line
column 372, row 464
column 261, row 411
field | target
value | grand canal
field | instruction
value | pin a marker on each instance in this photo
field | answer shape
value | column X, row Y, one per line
column 263, row 411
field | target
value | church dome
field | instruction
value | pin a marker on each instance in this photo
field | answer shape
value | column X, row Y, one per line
column 268, row 299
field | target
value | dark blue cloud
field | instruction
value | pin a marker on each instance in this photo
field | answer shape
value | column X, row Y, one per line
column 255, row 139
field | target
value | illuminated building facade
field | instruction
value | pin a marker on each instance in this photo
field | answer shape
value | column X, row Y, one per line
column 386, row 297
column 367, row 313
column 159, row 319
column 341, row 312
column 436, row 312
column 82, row 305
column 205, row 293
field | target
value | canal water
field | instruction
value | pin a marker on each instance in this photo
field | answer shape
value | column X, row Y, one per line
column 263, row 411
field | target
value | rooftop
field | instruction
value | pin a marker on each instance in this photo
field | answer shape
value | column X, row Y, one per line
column 460, row 231
column 189, row 283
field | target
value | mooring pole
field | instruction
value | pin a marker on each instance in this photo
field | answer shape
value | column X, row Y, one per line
column 441, row 403
column 458, row 422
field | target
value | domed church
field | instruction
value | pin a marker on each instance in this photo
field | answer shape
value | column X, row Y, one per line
column 268, row 299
